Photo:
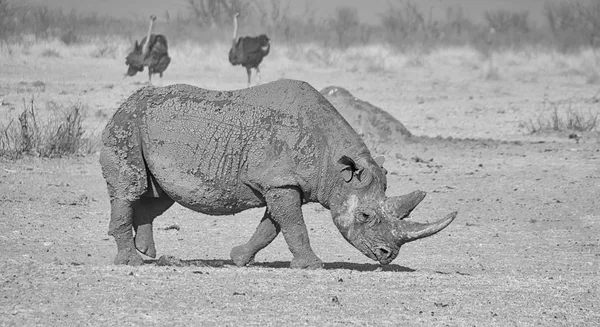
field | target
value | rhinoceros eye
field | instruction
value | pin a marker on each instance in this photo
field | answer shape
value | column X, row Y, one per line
column 364, row 216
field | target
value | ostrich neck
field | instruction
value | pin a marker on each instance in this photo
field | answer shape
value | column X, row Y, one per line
column 147, row 44
column 235, row 27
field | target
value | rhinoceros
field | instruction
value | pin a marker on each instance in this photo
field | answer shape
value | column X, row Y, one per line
column 278, row 145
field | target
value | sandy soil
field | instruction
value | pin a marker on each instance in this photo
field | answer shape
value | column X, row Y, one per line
column 524, row 250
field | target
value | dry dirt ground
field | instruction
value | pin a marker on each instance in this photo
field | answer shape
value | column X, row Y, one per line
column 524, row 249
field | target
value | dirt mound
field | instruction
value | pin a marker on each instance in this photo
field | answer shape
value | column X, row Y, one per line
column 381, row 131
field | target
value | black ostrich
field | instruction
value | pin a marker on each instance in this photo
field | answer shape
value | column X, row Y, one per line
column 248, row 51
column 152, row 51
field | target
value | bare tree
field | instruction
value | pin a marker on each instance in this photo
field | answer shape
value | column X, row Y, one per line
column 503, row 21
column 562, row 16
column 275, row 16
column 591, row 14
column 216, row 13
column 41, row 21
column 403, row 20
column 344, row 23
column 4, row 19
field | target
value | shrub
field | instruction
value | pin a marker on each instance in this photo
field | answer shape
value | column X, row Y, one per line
column 69, row 37
column 345, row 23
column 59, row 136
column 556, row 118
column 50, row 53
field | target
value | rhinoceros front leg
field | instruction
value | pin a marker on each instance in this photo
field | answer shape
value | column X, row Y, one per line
column 265, row 233
column 285, row 207
column 120, row 227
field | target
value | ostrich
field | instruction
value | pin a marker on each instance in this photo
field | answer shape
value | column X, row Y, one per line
column 151, row 52
column 248, row 51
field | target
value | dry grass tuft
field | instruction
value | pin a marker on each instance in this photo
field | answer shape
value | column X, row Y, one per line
column 61, row 135
column 490, row 71
column 559, row 116
column 369, row 58
column 50, row 53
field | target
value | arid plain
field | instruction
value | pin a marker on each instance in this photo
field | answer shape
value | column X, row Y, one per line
column 524, row 249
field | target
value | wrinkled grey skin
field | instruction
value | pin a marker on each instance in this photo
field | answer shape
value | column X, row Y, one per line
column 278, row 145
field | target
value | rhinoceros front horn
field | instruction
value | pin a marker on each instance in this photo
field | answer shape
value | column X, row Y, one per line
column 408, row 231
column 400, row 207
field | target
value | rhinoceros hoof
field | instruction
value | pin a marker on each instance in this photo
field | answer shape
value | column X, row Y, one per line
column 241, row 256
column 306, row 263
column 130, row 258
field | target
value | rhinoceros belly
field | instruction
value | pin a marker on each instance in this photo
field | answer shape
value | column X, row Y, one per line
column 211, row 180
column 195, row 191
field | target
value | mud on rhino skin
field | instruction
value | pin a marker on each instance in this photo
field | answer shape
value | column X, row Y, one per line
column 278, row 145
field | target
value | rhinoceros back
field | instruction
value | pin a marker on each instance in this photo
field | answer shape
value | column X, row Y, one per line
column 222, row 147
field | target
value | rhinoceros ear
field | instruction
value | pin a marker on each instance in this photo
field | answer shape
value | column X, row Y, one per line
column 349, row 168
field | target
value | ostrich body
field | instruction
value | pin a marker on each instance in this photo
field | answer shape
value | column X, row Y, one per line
column 248, row 51
column 152, row 51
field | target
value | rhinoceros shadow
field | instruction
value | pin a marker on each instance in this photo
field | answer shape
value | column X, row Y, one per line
column 216, row 263
column 341, row 265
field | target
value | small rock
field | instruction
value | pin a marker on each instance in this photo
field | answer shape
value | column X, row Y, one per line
column 169, row 260
column 335, row 300
column 172, row 227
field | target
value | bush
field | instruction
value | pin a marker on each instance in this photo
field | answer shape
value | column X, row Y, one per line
column 50, row 53
column 556, row 118
column 60, row 136
column 69, row 37
column 345, row 24
column 406, row 24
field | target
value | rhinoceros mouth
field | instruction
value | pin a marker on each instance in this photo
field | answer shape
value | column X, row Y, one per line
column 385, row 254
column 367, row 250
column 380, row 253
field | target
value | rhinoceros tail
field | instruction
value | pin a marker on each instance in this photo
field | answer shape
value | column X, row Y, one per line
column 121, row 156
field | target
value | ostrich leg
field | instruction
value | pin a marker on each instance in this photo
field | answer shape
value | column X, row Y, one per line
column 249, row 71
column 257, row 75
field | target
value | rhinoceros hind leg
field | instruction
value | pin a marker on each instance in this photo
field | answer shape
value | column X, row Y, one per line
column 145, row 211
column 285, row 206
column 121, row 216
column 265, row 233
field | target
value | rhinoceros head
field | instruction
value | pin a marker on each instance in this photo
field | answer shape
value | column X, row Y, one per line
column 370, row 221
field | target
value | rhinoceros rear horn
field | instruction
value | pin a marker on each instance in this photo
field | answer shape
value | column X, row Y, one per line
column 399, row 207
column 408, row 231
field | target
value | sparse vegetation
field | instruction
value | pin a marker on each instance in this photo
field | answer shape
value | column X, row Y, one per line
column 406, row 37
column 52, row 53
column 490, row 70
column 61, row 135
column 560, row 116
column 406, row 24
